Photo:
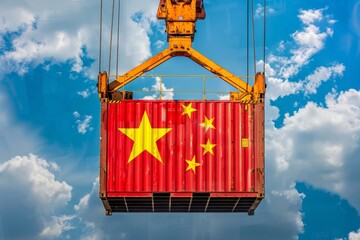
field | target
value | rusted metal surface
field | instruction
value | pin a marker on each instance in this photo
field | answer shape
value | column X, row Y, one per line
column 212, row 138
column 169, row 152
column 103, row 156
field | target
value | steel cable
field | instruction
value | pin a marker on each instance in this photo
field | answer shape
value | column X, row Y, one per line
column 111, row 34
column 253, row 34
column 264, row 34
column 117, row 41
column 247, row 44
column 101, row 6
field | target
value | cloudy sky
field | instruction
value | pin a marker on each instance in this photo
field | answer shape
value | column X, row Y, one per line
column 49, row 117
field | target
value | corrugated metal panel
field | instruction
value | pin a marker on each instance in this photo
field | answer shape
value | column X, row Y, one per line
column 183, row 147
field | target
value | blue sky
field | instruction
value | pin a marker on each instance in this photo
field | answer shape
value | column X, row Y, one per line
column 49, row 117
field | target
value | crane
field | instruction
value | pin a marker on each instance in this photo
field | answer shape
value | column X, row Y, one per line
column 180, row 17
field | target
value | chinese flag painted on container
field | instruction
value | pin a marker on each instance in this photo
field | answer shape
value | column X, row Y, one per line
column 179, row 146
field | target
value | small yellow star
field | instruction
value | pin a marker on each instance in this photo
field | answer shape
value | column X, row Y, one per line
column 188, row 110
column 192, row 164
column 208, row 147
column 208, row 124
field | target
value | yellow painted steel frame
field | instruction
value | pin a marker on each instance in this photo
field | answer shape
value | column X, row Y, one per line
column 180, row 17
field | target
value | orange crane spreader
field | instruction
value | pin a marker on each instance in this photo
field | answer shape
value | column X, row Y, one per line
column 180, row 17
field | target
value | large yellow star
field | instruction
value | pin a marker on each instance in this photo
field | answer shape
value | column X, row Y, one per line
column 188, row 110
column 144, row 138
column 208, row 147
column 192, row 164
column 208, row 124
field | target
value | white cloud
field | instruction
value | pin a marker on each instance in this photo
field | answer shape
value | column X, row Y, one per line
column 309, row 41
column 259, row 11
column 330, row 32
column 57, row 32
column 93, row 236
column 282, row 206
column 269, row 71
column 159, row 44
column 83, row 123
column 224, row 97
column 83, row 204
column 92, row 219
column 16, row 17
column 322, row 74
column 310, row 147
column 310, row 37
column 84, row 94
column 76, row 114
column 354, row 235
column 40, row 181
column 84, row 126
column 318, row 145
column 87, row 92
column 167, row 93
column 57, row 226
column 311, row 16
column 281, row 46
column 29, row 188
column 278, row 87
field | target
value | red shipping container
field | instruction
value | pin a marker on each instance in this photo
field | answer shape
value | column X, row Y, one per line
column 181, row 156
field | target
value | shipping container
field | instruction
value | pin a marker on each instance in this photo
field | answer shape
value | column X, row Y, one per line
column 181, row 156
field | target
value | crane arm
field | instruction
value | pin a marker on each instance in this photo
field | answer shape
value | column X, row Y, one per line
column 140, row 69
column 215, row 68
column 180, row 47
